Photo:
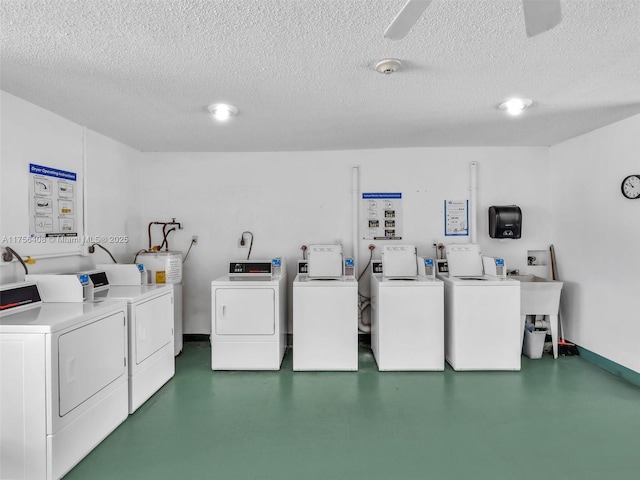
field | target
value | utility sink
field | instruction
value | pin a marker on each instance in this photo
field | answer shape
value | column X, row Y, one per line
column 538, row 296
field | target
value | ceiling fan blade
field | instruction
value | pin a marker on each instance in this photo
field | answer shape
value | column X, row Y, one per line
column 406, row 18
column 541, row 15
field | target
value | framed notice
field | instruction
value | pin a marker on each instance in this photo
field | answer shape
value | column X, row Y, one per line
column 53, row 197
column 381, row 216
column 456, row 218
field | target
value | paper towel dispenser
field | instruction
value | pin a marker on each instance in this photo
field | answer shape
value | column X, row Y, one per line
column 505, row 221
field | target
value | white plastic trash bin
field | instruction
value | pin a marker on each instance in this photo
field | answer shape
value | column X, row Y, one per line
column 534, row 343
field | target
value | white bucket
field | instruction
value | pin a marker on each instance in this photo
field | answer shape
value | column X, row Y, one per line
column 533, row 345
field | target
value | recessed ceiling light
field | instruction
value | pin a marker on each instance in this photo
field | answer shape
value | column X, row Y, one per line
column 515, row 106
column 222, row 112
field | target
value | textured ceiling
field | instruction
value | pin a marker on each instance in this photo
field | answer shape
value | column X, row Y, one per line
column 301, row 72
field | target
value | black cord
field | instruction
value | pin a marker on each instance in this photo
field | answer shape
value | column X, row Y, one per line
column 164, row 236
column 104, row 248
column 15, row 254
column 185, row 257
column 367, row 266
column 362, row 273
column 250, row 244
column 164, row 239
column 138, row 253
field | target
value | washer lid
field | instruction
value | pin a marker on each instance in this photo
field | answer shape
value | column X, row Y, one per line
column 303, row 280
column 399, row 261
column 464, row 260
column 416, row 282
column 135, row 293
column 479, row 281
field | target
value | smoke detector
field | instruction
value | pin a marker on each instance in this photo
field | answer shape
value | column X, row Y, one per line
column 388, row 65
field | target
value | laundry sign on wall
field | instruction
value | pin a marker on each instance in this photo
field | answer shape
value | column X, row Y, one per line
column 382, row 216
column 52, row 202
column 456, row 218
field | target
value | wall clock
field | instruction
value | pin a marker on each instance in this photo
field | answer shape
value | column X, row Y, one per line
column 631, row 187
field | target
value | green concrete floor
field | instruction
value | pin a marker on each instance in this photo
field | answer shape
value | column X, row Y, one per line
column 562, row 419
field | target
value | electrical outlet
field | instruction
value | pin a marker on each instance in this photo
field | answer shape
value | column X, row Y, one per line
column 194, row 240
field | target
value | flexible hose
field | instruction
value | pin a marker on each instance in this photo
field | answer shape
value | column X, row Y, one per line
column 19, row 258
column 363, row 327
column 104, row 248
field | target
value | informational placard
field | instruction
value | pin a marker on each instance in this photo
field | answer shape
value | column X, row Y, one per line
column 381, row 216
column 456, row 218
column 52, row 202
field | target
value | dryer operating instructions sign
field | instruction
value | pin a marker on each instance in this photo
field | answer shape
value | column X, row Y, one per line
column 52, row 202
column 382, row 216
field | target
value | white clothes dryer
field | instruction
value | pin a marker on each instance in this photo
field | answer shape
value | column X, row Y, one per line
column 64, row 380
column 248, row 316
column 151, row 342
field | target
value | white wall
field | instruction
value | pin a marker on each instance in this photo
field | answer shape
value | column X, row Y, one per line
column 114, row 197
column 31, row 134
column 295, row 198
column 596, row 234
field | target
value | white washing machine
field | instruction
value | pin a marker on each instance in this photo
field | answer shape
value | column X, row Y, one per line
column 325, row 313
column 407, row 322
column 64, row 380
column 325, row 324
column 249, row 316
column 151, row 343
column 136, row 274
column 482, row 313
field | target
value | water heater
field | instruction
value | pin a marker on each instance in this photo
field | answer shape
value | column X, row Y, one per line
column 163, row 266
column 505, row 221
